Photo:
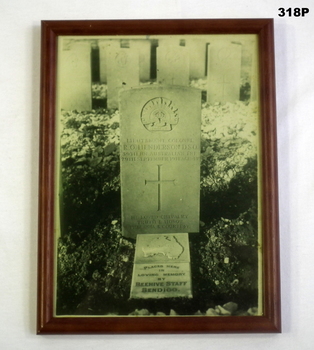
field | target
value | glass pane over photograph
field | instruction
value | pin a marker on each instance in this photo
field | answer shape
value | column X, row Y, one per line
column 158, row 177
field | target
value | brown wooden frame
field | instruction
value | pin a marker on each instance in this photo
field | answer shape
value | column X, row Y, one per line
column 271, row 320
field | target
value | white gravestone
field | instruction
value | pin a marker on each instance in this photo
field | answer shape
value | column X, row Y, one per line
column 197, row 57
column 254, row 75
column 122, row 72
column 144, row 50
column 224, row 72
column 160, row 159
column 172, row 64
column 74, row 79
column 104, row 45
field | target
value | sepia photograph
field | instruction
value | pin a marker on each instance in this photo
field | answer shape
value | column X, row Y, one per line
column 158, row 177
column 158, row 186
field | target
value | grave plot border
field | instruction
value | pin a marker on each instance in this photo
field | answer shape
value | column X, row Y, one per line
column 270, row 321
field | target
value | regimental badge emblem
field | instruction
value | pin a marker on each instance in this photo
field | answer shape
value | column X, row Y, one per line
column 159, row 114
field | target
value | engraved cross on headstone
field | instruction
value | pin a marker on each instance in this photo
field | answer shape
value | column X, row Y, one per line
column 159, row 182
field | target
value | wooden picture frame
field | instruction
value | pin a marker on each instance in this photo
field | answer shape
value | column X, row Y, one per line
column 223, row 318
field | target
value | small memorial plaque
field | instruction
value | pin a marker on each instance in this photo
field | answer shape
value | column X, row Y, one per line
column 160, row 160
column 162, row 266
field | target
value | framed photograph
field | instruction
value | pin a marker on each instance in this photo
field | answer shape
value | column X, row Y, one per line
column 158, row 208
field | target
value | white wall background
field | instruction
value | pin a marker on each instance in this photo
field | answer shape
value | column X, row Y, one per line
column 19, row 87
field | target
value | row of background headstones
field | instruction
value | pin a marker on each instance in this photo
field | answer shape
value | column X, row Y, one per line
column 127, row 63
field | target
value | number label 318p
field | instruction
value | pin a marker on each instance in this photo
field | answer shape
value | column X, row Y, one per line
column 293, row 12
